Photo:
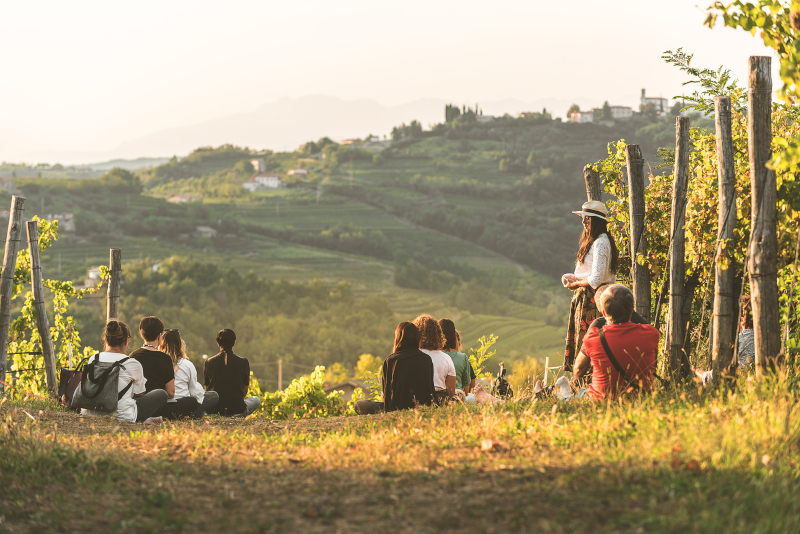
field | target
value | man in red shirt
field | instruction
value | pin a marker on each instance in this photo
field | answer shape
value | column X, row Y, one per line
column 634, row 346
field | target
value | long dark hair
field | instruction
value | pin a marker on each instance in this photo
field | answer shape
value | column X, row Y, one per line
column 406, row 336
column 596, row 228
column 450, row 334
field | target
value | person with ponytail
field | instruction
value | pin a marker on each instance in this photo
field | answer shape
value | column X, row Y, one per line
column 136, row 405
column 596, row 266
column 190, row 397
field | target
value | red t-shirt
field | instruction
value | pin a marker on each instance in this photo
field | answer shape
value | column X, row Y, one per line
column 633, row 345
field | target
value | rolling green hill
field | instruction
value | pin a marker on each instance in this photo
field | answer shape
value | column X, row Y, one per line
column 469, row 220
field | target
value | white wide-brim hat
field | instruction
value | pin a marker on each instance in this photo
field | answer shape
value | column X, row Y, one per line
column 593, row 208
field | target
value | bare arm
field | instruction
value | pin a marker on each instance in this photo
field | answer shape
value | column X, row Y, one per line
column 450, row 384
column 582, row 363
column 170, row 387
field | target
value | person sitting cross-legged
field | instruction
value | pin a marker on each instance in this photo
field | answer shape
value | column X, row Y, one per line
column 431, row 342
column 627, row 365
column 136, row 404
column 465, row 380
column 158, row 369
column 229, row 375
column 186, row 384
column 406, row 376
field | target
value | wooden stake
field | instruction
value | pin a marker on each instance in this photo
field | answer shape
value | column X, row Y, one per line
column 677, row 250
column 594, row 186
column 42, row 324
column 115, row 266
column 639, row 273
column 724, row 318
column 763, row 248
column 7, row 279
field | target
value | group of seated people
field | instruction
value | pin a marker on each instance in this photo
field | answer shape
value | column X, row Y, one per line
column 426, row 366
column 158, row 382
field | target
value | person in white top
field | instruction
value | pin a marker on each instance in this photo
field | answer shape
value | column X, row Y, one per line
column 135, row 405
column 431, row 342
column 186, row 384
column 596, row 266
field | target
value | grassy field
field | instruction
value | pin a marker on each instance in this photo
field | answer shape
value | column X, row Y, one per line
column 693, row 461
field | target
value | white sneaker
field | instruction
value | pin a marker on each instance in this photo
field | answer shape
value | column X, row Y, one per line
column 154, row 420
column 563, row 391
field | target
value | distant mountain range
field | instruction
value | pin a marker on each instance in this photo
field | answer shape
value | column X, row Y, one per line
column 280, row 125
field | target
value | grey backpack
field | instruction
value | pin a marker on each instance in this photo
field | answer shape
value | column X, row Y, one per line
column 98, row 388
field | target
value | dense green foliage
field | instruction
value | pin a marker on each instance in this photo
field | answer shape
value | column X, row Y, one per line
column 703, row 246
column 302, row 324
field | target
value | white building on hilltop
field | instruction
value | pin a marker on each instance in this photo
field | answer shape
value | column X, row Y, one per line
column 661, row 104
column 66, row 221
column 582, row 116
column 258, row 164
column 263, row 181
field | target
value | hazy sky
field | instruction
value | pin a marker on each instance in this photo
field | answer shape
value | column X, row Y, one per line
column 81, row 76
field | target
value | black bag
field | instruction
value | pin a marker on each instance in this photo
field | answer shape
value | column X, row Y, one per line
column 98, row 388
column 68, row 381
column 500, row 386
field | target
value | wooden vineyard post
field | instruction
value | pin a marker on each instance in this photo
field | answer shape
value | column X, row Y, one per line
column 639, row 273
column 594, row 186
column 7, row 280
column 115, row 266
column 763, row 247
column 42, row 324
column 677, row 250
column 724, row 318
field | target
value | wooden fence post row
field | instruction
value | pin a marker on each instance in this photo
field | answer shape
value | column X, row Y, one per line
column 7, row 278
column 115, row 266
column 639, row 273
column 763, row 247
column 724, row 318
column 42, row 324
column 676, row 332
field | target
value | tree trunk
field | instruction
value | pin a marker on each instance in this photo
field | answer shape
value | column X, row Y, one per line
column 724, row 317
column 763, row 249
column 115, row 266
column 7, row 279
column 594, row 186
column 677, row 315
column 639, row 273
column 42, row 324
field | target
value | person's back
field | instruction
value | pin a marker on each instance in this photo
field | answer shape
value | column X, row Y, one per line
column 408, row 380
column 228, row 375
column 157, row 367
column 633, row 346
column 461, row 364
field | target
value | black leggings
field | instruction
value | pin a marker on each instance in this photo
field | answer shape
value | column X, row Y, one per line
column 178, row 409
column 150, row 403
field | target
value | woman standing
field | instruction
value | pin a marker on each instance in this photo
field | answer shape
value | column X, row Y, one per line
column 596, row 266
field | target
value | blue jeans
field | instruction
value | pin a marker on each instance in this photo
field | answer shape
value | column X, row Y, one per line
column 251, row 404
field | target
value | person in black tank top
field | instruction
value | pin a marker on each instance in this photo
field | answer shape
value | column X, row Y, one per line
column 229, row 375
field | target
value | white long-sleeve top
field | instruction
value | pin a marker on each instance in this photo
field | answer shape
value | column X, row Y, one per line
column 596, row 266
column 186, row 384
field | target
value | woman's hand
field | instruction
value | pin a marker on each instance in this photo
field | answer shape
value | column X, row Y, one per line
column 575, row 284
column 567, row 278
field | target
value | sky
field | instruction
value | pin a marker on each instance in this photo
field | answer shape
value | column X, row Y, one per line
column 85, row 77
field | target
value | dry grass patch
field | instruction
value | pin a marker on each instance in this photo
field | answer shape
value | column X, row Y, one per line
column 701, row 463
